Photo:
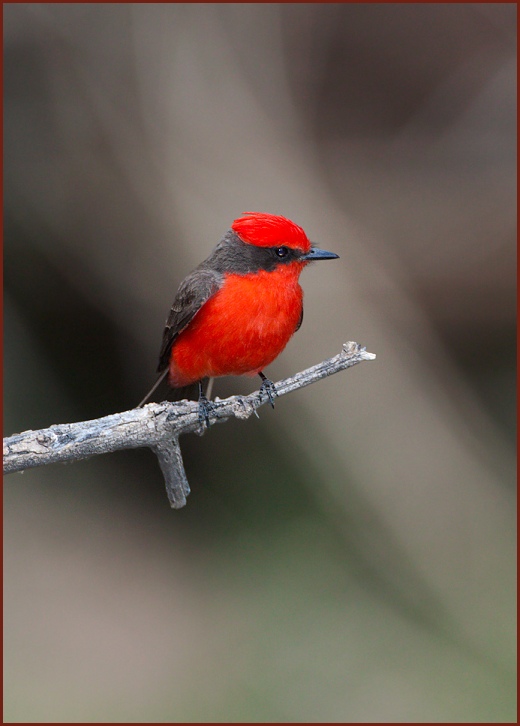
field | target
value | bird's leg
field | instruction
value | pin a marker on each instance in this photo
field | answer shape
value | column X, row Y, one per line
column 268, row 388
column 205, row 408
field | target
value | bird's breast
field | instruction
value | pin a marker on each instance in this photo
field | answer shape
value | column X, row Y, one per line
column 242, row 328
column 265, row 304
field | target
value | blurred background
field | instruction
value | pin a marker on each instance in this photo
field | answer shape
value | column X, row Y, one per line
column 349, row 557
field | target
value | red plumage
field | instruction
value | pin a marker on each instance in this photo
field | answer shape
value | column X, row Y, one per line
column 269, row 230
column 241, row 329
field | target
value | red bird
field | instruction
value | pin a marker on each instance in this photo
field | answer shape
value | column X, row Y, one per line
column 236, row 312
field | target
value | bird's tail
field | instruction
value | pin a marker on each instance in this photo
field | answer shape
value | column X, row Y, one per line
column 154, row 388
column 177, row 394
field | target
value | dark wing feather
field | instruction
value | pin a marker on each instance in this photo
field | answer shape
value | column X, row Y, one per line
column 300, row 321
column 193, row 292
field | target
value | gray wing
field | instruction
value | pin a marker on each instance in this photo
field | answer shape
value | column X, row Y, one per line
column 193, row 292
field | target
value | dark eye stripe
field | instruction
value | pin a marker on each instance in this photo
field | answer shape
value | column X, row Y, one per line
column 234, row 255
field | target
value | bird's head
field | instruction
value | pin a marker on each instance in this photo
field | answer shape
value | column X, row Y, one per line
column 284, row 238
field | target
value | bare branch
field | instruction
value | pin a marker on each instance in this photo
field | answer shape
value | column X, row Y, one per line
column 157, row 426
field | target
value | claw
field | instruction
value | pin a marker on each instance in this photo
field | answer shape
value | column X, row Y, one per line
column 268, row 388
column 206, row 408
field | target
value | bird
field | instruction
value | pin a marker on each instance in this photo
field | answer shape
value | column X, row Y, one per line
column 237, row 310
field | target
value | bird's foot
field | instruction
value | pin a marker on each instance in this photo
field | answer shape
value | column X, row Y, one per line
column 206, row 409
column 268, row 388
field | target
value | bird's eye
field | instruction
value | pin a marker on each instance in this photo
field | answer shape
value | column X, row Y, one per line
column 282, row 251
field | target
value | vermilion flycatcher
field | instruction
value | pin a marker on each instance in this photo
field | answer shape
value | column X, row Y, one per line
column 235, row 313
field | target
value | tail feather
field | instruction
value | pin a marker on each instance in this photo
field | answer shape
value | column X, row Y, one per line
column 190, row 392
column 154, row 388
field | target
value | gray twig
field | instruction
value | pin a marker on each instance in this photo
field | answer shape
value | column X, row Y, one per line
column 157, row 426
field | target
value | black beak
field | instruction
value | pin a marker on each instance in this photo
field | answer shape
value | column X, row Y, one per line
column 317, row 254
